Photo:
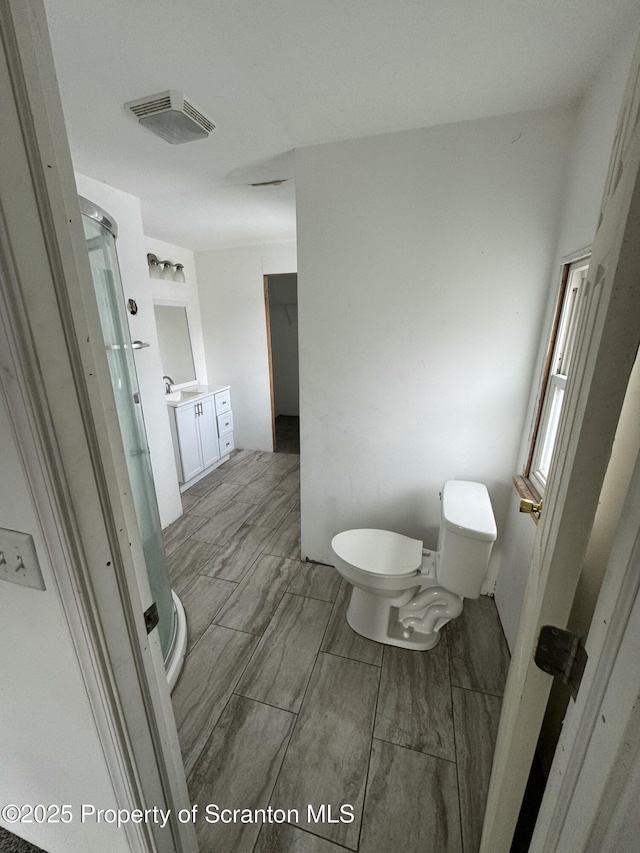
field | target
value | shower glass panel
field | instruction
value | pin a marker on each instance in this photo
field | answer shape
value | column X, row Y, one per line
column 100, row 235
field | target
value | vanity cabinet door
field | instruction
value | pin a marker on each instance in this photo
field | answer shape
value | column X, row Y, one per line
column 189, row 441
column 208, row 432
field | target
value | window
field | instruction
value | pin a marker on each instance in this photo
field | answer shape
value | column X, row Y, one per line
column 558, row 364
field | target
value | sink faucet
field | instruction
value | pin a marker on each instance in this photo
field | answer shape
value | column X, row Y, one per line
column 168, row 382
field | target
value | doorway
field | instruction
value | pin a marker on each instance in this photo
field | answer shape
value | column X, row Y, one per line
column 281, row 309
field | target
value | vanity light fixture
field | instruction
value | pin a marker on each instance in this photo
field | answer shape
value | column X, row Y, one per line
column 154, row 266
column 165, row 270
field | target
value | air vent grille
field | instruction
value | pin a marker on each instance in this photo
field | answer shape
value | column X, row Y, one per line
column 150, row 107
column 196, row 115
column 172, row 117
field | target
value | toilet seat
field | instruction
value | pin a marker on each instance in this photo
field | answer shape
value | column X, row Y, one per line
column 379, row 552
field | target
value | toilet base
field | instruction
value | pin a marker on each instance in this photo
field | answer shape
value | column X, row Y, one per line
column 376, row 618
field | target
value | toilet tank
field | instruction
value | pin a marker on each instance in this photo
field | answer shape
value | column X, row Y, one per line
column 467, row 533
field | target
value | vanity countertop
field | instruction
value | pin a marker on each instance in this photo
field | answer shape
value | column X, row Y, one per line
column 191, row 395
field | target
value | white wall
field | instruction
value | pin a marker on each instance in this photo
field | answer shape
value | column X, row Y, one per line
column 590, row 153
column 424, row 260
column 283, row 317
column 50, row 749
column 231, row 291
column 132, row 253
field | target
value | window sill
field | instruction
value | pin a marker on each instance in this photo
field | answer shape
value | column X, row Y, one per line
column 526, row 491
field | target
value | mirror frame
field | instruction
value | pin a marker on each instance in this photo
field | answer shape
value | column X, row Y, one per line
column 177, row 303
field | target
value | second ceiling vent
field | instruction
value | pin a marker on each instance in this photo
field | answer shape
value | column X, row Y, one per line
column 171, row 116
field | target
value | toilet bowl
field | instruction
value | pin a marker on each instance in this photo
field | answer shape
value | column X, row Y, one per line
column 403, row 593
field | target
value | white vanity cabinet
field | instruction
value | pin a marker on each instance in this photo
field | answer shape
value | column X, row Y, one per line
column 202, row 431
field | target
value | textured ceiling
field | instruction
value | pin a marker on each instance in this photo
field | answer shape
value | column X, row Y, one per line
column 280, row 74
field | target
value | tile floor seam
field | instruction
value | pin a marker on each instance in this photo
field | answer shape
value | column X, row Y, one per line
column 257, row 649
column 314, row 597
column 262, row 701
column 250, row 658
column 314, row 835
column 209, row 736
column 353, row 660
column 250, row 566
column 324, row 634
column 211, row 578
column 316, row 664
column 237, row 630
column 189, row 536
column 410, row 749
column 269, row 793
column 477, row 690
column 366, row 778
column 455, row 739
column 293, row 729
column 205, row 744
column 413, row 749
column 220, row 606
column 274, row 609
column 258, row 554
column 232, row 692
column 357, row 660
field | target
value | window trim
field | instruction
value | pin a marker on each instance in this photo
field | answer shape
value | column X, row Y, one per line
column 524, row 485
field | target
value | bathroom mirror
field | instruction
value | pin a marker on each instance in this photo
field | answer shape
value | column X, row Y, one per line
column 174, row 340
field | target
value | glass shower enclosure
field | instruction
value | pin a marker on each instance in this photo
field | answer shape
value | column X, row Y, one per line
column 100, row 232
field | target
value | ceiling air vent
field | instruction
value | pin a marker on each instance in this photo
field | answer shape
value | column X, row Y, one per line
column 171, row 116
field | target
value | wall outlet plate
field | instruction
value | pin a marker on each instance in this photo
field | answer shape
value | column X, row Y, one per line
column 19, row 560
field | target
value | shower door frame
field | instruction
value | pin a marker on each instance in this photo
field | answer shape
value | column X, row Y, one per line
column 56, row 383
column 131, row 419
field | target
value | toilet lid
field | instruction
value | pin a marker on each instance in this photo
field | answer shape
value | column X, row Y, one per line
column 380, row 552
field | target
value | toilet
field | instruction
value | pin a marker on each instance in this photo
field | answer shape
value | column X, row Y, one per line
column 403, row 593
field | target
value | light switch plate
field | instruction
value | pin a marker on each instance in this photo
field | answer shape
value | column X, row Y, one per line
column 19, row 560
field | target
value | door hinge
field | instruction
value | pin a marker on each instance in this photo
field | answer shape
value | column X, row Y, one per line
column 151, row 617
column 561, row 654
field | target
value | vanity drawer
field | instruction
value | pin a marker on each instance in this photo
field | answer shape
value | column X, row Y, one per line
column 225, row 423
column 223, row 402
column 226, row 444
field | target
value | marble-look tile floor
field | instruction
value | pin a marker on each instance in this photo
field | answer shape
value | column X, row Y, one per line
column 344, row 744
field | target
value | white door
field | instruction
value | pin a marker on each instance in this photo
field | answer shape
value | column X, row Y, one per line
column 610, row 336
column 592, row 794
